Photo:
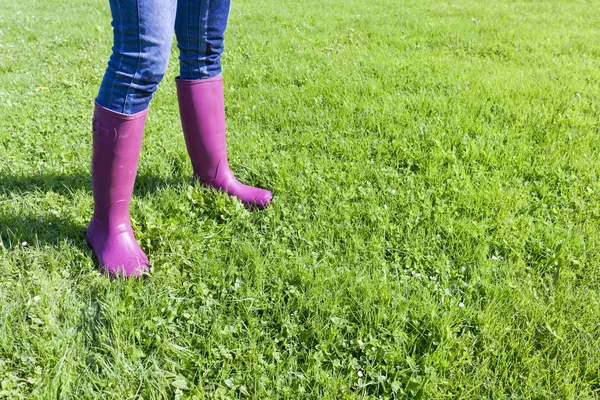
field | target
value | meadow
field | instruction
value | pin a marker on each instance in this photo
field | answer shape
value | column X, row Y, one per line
column 434, row 234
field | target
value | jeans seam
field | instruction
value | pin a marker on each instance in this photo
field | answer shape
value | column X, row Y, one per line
column 206, row 44
column 187, row 25
column 139, row 56
column 112, row 86
column 196, row 49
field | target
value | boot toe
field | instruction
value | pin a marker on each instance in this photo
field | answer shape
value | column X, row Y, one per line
column 263, row 199
column 120, row 255
column 127, row 267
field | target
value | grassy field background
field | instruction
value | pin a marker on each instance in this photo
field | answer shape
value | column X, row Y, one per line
column 435, row 231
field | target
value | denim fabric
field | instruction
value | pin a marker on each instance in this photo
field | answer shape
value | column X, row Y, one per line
column 143, row 33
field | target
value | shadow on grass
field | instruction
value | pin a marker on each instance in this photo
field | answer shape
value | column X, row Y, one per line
column 67, row 184
column 41, row 229
column 38, row 230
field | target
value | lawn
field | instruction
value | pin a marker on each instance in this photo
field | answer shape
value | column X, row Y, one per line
column 434, row 234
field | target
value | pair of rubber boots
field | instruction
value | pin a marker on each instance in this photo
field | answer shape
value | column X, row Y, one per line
column 117, row 140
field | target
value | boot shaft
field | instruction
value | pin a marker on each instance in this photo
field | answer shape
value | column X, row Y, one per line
column 117, row 141
column 202, row 110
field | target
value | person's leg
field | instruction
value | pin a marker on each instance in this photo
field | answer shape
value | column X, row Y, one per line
column 142, row 42
column 143, row 32
column 117, row 139
column 200, row 27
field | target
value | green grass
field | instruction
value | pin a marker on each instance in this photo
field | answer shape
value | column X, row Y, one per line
column 435, row 231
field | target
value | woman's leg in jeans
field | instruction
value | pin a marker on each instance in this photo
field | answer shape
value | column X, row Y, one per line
column 143, row 31
column 200, row 28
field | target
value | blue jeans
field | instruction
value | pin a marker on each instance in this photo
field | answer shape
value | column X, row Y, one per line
column 143, row 32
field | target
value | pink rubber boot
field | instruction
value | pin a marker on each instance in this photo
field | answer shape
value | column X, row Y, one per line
column 202, row 109
column 117, row 143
